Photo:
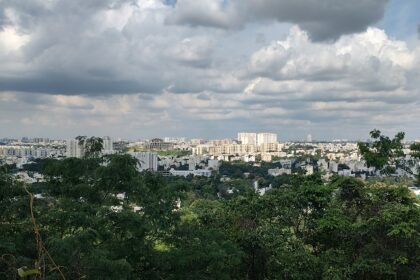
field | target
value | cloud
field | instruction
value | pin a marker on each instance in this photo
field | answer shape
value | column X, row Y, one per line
column 146, row 68
column 11, row 40
column 418, row 30
column 80, row 47
column 102, row 48
column 368, row 61
column 194, row 52
column 360, row 79
column 212, row 13
column 62, row 84
column 323, row 20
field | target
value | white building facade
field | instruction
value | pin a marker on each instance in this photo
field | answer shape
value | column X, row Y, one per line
column 108, row 147
column 266, row 138
column 147, row 160
column 73, row 149
column 247, row 138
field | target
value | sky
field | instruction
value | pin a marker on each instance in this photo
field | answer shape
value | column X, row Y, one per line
column 136, row 69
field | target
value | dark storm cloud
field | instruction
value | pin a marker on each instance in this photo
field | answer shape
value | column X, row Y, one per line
column 62, row 84
column 323, row 19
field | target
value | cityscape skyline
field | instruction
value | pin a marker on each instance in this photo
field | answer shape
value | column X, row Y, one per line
column 304, row 138
column 210, row 139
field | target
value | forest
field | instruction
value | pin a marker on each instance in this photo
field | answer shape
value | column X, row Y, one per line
column 99, row 218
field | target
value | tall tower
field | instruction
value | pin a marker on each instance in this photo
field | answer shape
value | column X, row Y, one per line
column 73, row 149
column 108, row 147
column 247, row 138
column 266, row 138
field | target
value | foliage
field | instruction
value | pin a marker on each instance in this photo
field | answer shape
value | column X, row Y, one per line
column 99, row 218
column 92, row 145
column 415, row 152
column 415, row 149
column 382, row 152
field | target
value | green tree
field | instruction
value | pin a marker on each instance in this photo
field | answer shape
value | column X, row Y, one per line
column 370, row 232
column 383, row 152
column 97, row 217
column 415, row 152
column 17, row 242
column 92, row 145
column 85, row 228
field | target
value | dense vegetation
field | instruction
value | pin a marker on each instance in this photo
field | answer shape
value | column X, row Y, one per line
column 78, row 225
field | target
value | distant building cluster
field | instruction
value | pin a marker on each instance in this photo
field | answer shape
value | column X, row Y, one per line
column 157, row 144
column 248, row 143
column 236, row 149
column 21, row 151
column 179, row 156
column 340, row 158
column 220, row 142
column 250, row 138
column 25, row 151
column 27, row 140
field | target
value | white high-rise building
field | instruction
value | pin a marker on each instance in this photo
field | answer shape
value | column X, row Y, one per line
column 247, row 138
column 266, row 138
column 147, row 160
column 309, row 138
column 108, row 147
column 73, row 149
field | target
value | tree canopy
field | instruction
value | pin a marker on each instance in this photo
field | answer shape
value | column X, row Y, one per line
column 99, row 218
column 382, row 152
column 92, row 146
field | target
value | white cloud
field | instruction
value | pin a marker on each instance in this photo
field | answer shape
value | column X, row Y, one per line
column 369, row 59
column 119, row 67
column 195, row 51
column 11, row 40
